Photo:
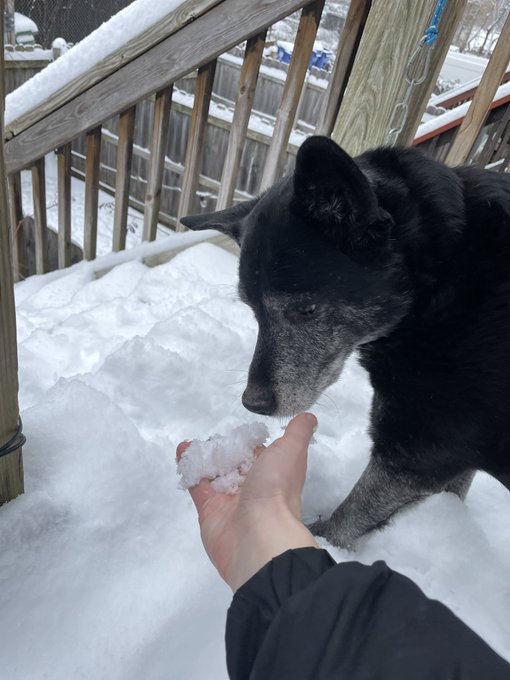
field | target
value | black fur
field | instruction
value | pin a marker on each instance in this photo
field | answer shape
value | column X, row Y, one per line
column 408, row 261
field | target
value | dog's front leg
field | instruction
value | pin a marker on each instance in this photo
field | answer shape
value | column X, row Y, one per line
column 376, row 496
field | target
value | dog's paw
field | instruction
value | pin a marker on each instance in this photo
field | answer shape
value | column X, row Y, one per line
column 331, row 532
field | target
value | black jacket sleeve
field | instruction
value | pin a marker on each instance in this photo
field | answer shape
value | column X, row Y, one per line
column 303, row 616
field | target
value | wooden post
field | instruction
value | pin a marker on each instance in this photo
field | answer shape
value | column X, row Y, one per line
column 40, row 219
column 296, row 74
column 246, row 92
column 64, row 205
column 10, row 34
column 11, row 465
column 158, row 146
column 92, row 168
column 377, row 82
column 480, row 105
column 17, row 236
column 346, row 53
column 124, row 161
column 196, row 138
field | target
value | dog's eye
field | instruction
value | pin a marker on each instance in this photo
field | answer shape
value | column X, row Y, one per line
column 301, row 312
column 306, row 310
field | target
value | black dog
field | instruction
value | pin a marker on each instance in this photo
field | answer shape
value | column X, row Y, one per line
column 408, row 261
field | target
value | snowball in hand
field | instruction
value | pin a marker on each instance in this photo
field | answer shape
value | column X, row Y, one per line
column 223, row 459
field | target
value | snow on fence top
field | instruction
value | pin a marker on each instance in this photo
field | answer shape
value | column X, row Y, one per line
column 447, row 120
column 141, row 16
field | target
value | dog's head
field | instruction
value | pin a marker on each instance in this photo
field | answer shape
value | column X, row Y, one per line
column 317, row 269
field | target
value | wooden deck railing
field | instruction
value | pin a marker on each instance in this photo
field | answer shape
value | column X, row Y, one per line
column 187, row 42
column 144, row 69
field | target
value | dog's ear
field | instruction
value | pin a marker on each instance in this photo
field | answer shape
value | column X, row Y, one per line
column 331, row 188
column 228, row 221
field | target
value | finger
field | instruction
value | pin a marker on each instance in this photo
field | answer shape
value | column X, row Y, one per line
column 298, row 433
column 258, row 450
column 181, row 449
column 200, row 493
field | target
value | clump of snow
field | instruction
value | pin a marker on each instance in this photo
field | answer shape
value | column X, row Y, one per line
column 224, row 459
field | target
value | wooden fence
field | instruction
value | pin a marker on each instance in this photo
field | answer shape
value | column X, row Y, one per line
column 21, row 64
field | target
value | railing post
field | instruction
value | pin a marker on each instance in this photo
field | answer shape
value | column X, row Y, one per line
column 158, row 146
column 246, row 92
column 11, row 465
column 92, row 170
column 124, row 162
column 196, row 138
column 19, row 254
column 377, row 81
column 485, row 93
column 64, row 205
column 308, row 25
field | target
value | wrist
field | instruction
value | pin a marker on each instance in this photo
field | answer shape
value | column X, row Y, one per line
column 267, row 533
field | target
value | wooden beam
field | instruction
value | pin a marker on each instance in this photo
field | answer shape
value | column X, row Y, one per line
column 10, row 35
column 196, row 138
column 477, row 112
column 247, row 84
column 124, row 162
column 296, row 74
column 64, row 205
column 40, row 219
column 92, row 167
column 11, row 464
column 377, row 81
column 452, row 15
column 16, row 224
column 191, row 47
column 158, row 147
column 346, row 52
column 183, row 14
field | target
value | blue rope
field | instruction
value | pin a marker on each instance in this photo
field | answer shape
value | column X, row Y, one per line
column 15, row 442
column 432, row 31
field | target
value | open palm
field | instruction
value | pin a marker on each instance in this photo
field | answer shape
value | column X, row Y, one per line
column 244, row 530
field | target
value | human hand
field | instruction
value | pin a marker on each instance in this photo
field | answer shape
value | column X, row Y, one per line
column 243, row 531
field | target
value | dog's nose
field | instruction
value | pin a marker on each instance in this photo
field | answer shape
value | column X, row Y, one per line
column 259, row 400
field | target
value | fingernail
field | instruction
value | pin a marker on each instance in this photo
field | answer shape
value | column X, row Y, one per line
column 313, row 421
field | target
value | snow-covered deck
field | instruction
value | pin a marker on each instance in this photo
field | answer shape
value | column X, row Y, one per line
column 103, row 572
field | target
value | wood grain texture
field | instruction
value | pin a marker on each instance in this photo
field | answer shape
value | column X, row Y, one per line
column 196, row 138
column 296, row 74
column 64, row 205
column 16, row 219
column 479, row 107
column 246, row 92
column 158, row 146
column 185, row 13
column 377, row 81
column 452, row 15
column 124, row 161
column 347, row 48
column 196, row 44
column 11, row 466
column 40, row 218
column 92, row 167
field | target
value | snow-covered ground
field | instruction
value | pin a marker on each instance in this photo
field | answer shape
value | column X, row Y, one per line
column 102, row 572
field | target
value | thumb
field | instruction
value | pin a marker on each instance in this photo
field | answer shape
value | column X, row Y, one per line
column 290, row 451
